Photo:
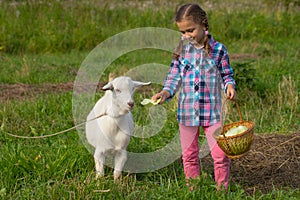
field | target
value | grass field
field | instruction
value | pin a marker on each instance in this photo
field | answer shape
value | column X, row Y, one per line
column 42, row 47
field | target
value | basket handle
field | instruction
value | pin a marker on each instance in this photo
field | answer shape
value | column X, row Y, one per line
column 223, row 110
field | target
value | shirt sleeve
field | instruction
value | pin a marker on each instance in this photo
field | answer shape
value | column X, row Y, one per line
column 173, row 79
column 225, row 69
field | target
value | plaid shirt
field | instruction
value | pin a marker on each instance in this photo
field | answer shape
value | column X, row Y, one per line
column 201, row 78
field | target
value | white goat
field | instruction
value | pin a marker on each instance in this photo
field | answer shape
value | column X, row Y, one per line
column 112, row 131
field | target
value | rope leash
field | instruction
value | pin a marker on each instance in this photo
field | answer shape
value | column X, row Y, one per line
column 57, row 133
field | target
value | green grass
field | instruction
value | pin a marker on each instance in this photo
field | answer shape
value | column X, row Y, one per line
column 38, row 69
column 45, row 42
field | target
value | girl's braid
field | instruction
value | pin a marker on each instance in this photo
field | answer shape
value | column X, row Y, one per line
column 204, row 22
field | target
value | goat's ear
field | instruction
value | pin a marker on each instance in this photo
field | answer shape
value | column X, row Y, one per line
column 108, row 86
column 138, row 83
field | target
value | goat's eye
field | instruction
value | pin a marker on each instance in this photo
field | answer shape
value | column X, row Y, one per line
column 118, row 91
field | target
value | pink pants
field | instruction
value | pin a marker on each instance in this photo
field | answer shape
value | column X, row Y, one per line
column 190, row 149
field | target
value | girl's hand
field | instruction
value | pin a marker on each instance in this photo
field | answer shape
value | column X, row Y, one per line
column 163, row 95
column 231, row 93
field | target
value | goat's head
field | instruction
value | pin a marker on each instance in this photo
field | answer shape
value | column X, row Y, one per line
column 122, row 91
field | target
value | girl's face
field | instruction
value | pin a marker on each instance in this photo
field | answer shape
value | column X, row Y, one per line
column 189, row 28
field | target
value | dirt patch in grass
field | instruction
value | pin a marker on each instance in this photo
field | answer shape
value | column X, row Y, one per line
column 272, row 163
column 22, row 91
column 243, row 57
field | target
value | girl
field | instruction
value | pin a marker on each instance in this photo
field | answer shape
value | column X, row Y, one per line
column 196, row 68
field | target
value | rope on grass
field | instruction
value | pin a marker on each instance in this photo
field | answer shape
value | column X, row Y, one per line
column 54, row 134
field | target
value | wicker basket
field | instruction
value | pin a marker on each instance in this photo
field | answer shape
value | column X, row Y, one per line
column 238, row 145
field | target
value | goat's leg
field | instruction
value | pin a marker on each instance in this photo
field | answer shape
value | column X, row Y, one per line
column 99, row 157
column 120, row 159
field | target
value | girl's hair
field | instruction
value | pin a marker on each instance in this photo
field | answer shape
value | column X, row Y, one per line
column 198, row 15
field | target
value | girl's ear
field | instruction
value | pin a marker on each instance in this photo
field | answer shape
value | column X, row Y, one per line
column 108, row 86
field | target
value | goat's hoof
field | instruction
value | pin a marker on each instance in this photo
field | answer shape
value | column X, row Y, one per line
column 118, row 180
column 117, row 176
column 99, row 175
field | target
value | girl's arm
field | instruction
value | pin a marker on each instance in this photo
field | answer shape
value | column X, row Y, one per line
column 171, row 83
column 173, row 78
column 227, row 75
